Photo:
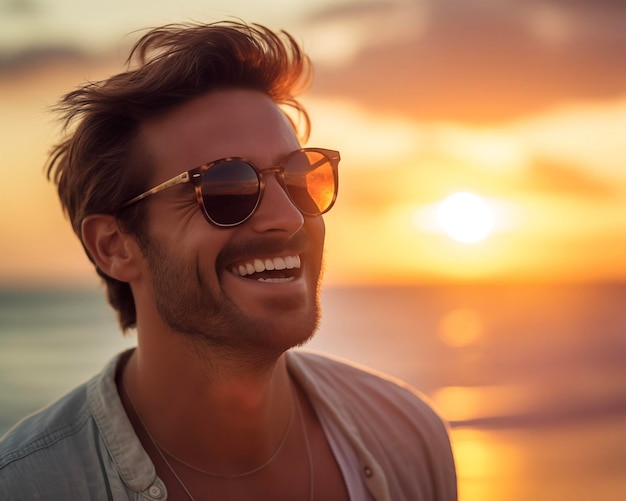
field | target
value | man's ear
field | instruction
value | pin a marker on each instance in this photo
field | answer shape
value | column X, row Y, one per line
column 114, row 252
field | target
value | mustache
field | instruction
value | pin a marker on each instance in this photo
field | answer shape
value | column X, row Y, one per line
column 262, row 246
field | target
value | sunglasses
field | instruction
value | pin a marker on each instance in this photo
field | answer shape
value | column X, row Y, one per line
column 229, row 190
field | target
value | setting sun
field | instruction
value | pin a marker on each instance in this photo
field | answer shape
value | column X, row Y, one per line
column 465, row 217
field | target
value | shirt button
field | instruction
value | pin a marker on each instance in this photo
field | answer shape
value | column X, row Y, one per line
column 368, row 471
column 155, row 491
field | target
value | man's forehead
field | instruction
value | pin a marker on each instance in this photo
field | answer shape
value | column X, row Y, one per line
column 218, row 124
column 218, row 106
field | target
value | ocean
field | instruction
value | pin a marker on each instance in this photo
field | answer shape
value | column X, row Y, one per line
column 531, row 378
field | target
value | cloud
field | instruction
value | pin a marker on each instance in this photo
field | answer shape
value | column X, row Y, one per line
column 20, row 8
column 340, row 32
column 560, row 179
column 474, row 60
column 37, row 57
column 569, row 156
column 590, row 136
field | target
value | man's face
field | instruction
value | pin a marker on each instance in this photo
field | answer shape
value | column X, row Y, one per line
column 191, row 264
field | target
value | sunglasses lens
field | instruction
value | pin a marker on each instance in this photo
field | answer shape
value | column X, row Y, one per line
column 311, row 183
column 230, row 192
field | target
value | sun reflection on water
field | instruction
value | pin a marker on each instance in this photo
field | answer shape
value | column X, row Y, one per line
column 482, row 465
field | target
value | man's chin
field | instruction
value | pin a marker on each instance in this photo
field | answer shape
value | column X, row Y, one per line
column 264, row 333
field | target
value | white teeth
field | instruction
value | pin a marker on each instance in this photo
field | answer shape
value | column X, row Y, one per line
column 269, row 264
column 276, row 280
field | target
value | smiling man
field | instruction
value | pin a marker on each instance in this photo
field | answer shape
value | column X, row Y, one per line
column 186, row 182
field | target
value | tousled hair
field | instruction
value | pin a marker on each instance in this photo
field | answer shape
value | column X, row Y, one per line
column 99, row 164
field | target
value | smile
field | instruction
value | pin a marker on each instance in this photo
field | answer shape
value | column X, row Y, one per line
column 273, row 270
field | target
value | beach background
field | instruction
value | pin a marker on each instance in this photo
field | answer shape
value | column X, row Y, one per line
column 531, row 378
column 477, row 249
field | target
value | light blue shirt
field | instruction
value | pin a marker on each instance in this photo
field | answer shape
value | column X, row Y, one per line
column 389, row 442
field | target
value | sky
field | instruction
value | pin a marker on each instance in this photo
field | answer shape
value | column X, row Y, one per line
column 521, row 103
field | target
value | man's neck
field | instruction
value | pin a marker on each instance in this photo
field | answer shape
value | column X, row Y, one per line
column 210, row 411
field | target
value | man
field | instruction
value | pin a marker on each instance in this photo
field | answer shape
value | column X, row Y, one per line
column 188, row 187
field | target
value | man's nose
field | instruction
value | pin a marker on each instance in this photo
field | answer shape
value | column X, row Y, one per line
column 276, row 212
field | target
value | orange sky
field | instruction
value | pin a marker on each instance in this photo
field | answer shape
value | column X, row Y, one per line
column 530, row 115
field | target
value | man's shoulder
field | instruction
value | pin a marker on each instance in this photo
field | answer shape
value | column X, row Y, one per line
column 362, row 387
column 37, row 453
column 46, row 427
column 394, row 428
column 59, row 421
column 329, row 369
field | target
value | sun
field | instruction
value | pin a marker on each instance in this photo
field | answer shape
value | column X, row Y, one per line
column 466, row 217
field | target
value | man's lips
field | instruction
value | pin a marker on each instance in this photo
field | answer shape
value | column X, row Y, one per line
column 265, row 258
column 278, row 269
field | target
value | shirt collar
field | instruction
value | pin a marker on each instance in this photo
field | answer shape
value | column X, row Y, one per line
column 133, row 463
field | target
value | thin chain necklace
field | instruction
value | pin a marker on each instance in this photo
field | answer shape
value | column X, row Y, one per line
column 308, row 449
column 160, row 449
column 254, row 470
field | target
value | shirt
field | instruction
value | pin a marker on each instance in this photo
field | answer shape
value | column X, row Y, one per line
column 83, row 446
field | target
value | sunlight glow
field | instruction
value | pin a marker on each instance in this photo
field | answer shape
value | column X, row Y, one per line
column 460, row 403
column 461, row 327
column 465, row 217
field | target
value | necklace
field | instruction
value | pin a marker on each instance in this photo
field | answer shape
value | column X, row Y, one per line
column 308, row 449
column 160, row 449
column 254, row 470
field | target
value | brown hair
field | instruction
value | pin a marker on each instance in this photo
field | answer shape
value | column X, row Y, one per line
column 99, row 165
